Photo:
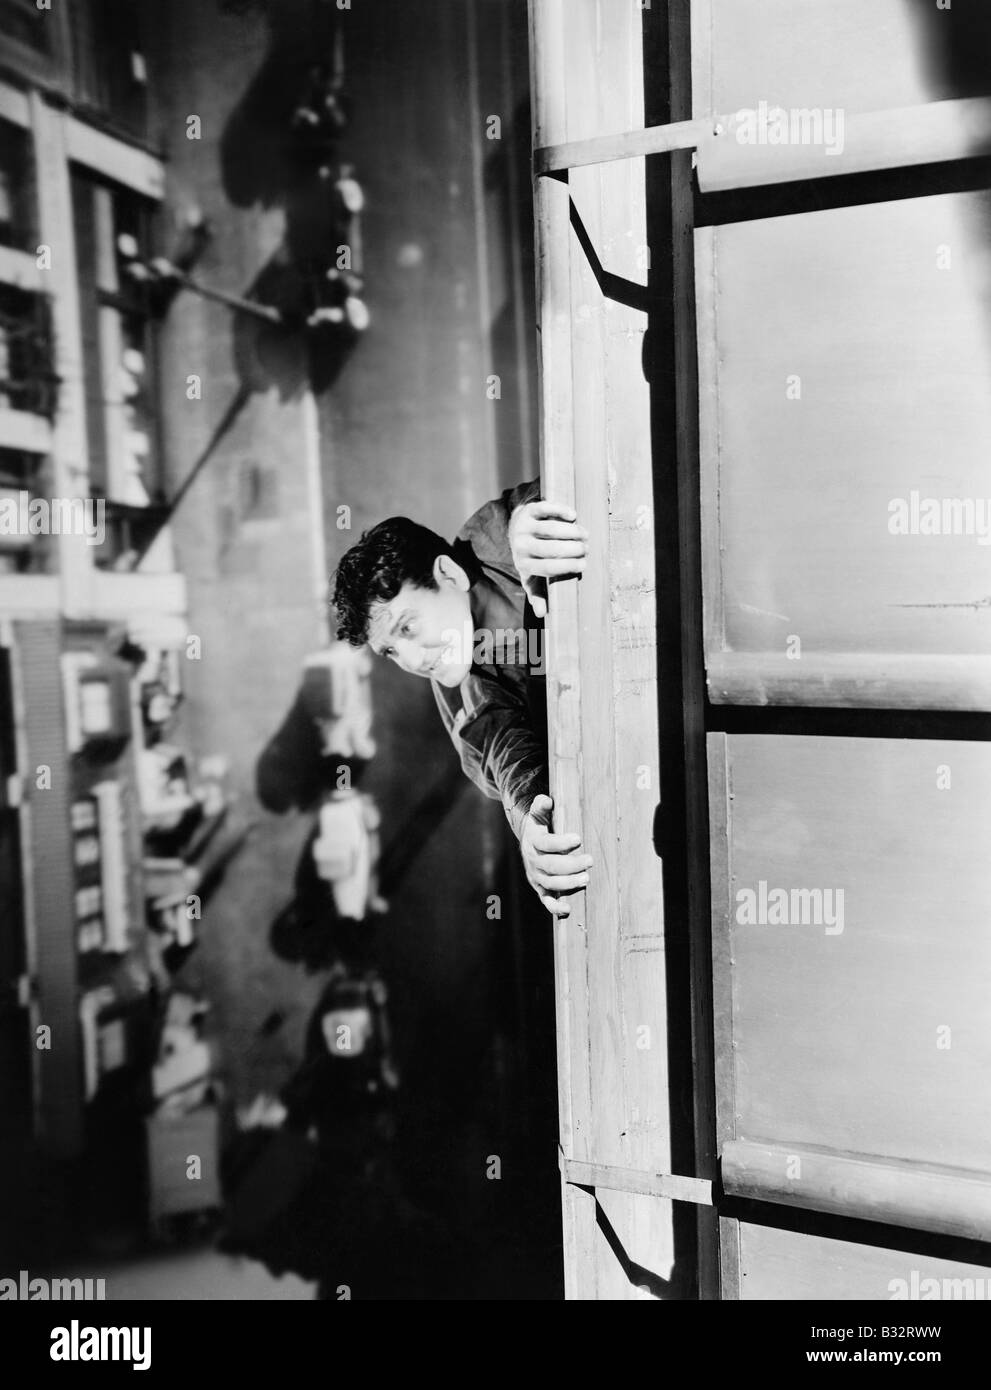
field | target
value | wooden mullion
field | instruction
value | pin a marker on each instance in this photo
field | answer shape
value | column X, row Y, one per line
column 854, row 679
column 690, row 563
column 552, row 227
column 938, row 132
column 630, row 144
column 920, row 1197
column 670, row 1186
column 935, row 133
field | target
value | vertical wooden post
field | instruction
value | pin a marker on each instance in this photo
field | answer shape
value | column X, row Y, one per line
column 553, row 268
column 601, row 650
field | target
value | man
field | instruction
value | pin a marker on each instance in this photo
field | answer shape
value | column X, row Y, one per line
column 458, row 615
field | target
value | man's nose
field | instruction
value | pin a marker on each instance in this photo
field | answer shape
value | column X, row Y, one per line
column 412, row 658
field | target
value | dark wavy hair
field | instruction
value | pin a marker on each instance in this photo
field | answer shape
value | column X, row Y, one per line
column 391, row 554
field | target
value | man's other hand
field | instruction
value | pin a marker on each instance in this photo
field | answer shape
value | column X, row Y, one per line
column 546, row 542
column 552, row 862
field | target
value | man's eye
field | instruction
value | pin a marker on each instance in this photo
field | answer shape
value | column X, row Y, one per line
column 407, row 629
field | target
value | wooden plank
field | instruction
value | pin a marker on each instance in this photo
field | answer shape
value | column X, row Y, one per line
column 731, row 1278
column 617, row 601
column 822, row 145
column 588, row 753
column 734, row 150
column 923, row 1197
column 669, row 1185
column 602, row 660
column 852, row 680
column 552, row 248
column 626, row 144
column 706, row 770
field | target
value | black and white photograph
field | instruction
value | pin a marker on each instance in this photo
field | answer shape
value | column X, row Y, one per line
column 495, row 662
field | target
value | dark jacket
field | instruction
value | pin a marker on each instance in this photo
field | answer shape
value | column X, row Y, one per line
column 497, row 717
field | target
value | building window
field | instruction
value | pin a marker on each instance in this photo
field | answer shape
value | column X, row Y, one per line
column 113, row 225
column 20, row 551
column 109, row 78
column 27, row 377
column 17, row 220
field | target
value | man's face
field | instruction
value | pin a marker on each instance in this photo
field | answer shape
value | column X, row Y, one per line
column 424, row 630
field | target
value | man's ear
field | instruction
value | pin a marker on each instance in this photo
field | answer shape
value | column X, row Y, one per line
column 448, row 571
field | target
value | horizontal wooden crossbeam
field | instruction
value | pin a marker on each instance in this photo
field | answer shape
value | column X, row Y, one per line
column 604, row 149
column 741, row 150
column 915, row 1195
column 846, row 143
column 669, row 1185
column 855, row 680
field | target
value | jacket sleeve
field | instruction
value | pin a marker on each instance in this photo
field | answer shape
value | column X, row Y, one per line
column 524, row 492
column 487, row 529
column 499, row 748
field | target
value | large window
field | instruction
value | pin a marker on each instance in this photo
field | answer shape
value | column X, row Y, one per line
column 27, row 379
column 90, row 52
column 112, row 227
column 109, row 76
column 21, row 552
column 17, row 220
